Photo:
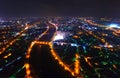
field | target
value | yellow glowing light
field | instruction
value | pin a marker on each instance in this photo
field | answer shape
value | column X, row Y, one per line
column 54, row 54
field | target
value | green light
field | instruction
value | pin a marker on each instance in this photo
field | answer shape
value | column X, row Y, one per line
column 74, row 59
column 6, row 61
column 104, row 63
column 12, row 76
column 86, row 76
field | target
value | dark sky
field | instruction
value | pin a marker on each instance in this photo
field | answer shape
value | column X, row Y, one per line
column 62, row 7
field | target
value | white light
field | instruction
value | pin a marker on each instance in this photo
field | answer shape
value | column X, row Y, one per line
column 114, row 26
column 72, row 44
column 26, row 28
column 58, row 37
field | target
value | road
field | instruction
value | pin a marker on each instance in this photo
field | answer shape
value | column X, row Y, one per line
column 17, row 36
column 88, row 50
column 46, row 39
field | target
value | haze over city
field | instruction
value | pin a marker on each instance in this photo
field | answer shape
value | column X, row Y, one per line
column 59, row 39
column 98, row 8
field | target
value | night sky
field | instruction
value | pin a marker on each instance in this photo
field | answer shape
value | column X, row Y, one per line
column 60, row 7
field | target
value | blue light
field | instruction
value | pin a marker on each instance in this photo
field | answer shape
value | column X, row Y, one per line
column 1, row 69
column 72, row 44
column 114, row 26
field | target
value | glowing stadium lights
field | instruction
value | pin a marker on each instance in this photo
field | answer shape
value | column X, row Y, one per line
column 58, row 37
column 114, row 26
column 110, row 27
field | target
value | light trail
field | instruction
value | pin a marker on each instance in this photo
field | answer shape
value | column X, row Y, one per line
column 43, row 33
column 27, row 65
column 86, row 59
column 115, row 32
column 77, row 64
column 28, row 71
column 12, row 76
column 13, row 61
column 18, row 36
column 5, row 57
column 75, row 72
column 14, row 40
column 107, row 44
column 56, row 57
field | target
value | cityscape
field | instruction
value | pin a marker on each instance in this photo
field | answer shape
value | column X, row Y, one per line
column 60, row 47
